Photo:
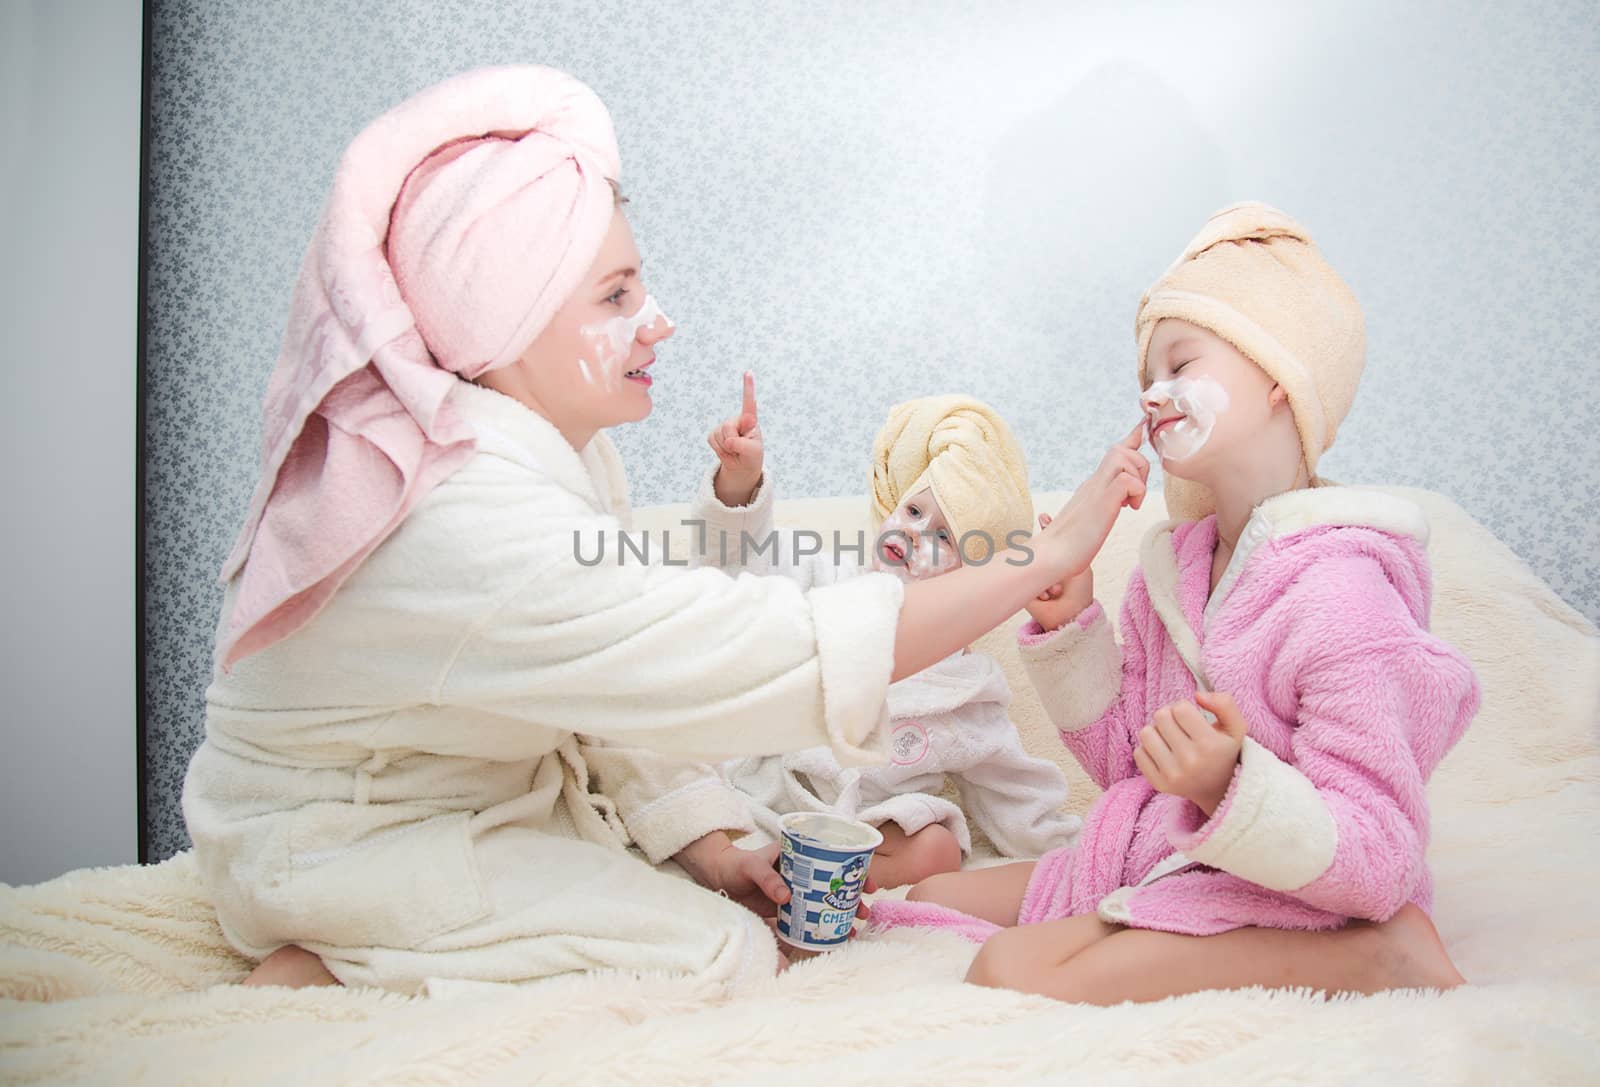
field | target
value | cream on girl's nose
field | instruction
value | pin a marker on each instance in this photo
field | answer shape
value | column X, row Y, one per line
column 656, row 331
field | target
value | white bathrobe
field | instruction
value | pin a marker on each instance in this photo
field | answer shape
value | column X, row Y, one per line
column 439, row 776
column 949, row 719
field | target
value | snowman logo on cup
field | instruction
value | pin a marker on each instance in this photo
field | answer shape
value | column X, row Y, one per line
column 845, row 888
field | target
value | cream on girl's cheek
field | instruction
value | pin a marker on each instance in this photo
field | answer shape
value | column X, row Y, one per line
column 609, row 342
column 1200, row 400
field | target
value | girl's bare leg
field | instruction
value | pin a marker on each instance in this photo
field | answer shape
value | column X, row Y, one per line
column 906, row 858
column 994, row 894
column 292, row 967
column 1034, row 958
column 1404, row 952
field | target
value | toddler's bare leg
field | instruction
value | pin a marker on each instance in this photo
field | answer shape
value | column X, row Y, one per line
column 906, row 858
column 292, row 967
column 994, row 894
column 1139, row 965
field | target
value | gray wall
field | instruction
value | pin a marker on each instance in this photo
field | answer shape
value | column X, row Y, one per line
column 866, row 202
column 70, row 198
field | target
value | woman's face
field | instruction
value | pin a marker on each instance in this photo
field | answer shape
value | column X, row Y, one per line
column 589, row 368
column 1206, row 403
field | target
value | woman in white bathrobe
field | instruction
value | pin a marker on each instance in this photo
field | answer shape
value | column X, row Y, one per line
column 442, row 747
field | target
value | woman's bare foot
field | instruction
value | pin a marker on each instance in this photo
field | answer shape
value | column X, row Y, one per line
column 1410, row 955
column 799, row 954
column 293, row 968
column 789, row 954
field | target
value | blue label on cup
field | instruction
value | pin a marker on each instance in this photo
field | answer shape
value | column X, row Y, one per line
column 824, row 877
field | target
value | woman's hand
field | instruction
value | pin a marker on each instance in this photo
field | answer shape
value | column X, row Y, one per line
column 1182, row 753
column 748, row 876
column 737, row 444
column 1062, row 602
column 1071, row 540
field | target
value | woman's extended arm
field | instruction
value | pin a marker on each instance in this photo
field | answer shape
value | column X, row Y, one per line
column 941, row 615
column 701, row 666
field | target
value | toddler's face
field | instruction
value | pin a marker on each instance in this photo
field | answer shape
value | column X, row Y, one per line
column 915, row 541
column 1205, row 400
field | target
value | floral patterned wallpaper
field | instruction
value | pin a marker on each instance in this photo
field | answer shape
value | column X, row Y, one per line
column 867, row 202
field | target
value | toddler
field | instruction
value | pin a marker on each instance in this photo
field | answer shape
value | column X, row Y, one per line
column 949, row 484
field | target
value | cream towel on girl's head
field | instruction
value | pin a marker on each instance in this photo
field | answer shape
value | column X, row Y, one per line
column 1254, row 277
column 961, row 449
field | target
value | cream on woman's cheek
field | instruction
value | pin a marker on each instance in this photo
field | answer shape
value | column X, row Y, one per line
column 1199, row 400
column 608, row 343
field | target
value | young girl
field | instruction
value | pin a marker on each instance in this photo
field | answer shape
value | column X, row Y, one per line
column 1266, row 728
column 947, row 478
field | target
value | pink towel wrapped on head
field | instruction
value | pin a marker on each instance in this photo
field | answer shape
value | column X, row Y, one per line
column 469, row 214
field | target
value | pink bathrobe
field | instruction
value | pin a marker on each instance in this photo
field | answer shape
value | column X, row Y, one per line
column 1318, row 629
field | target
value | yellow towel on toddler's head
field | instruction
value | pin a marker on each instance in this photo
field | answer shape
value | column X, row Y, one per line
column 1254, row 277
column 961, row 449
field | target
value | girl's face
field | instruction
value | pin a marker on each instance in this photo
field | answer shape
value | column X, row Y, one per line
column 1207, row 406
column 589, row 368
column 915, row 541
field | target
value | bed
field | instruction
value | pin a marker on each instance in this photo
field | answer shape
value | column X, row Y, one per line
column 121, row 975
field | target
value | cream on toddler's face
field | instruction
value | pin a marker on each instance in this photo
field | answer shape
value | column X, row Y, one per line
column 1206, row 401
column 915, row 541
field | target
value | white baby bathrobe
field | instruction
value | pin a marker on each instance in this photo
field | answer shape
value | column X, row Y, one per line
column 440, row 776
column 949, row 719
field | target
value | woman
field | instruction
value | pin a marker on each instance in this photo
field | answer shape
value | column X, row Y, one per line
column 432, row 731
